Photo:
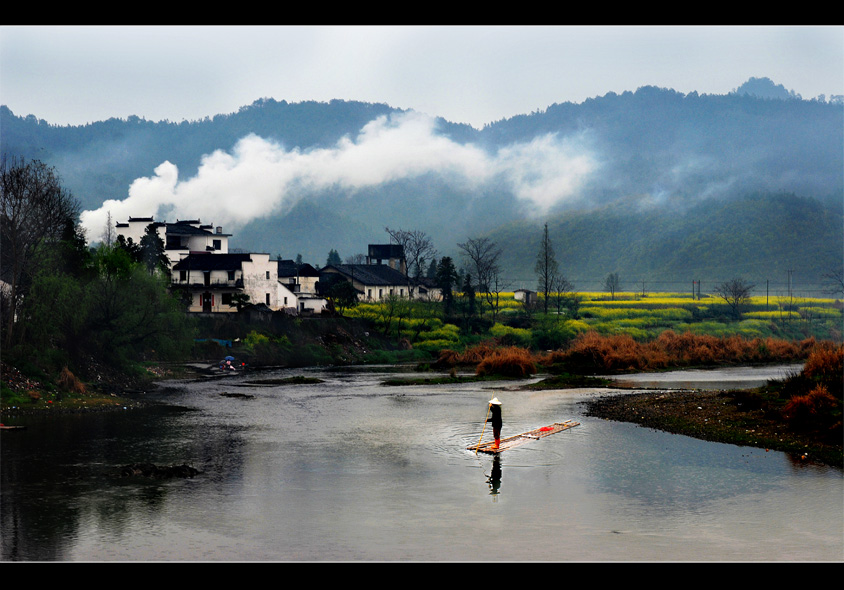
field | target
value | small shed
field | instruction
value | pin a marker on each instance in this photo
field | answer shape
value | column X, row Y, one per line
column 526, row 295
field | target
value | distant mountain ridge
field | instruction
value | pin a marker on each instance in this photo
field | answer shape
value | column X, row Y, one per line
column 653, row 156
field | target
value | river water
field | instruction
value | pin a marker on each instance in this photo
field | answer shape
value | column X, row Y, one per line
column 352, row 470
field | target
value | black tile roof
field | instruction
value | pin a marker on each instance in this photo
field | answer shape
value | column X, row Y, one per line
column 287, row 268
column 212, row 261
column 371, row 274
column 185, row 229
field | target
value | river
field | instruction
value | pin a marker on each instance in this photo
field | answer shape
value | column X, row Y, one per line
column 351, row 470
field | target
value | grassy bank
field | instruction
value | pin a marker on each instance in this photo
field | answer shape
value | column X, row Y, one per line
column 800, row 415
column 594, row 335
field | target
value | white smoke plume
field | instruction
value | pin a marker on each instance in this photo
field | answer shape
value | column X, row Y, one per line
column 259, row 176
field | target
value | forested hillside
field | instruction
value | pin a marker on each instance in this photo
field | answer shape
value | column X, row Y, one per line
column 656, row 185
column 764, row 238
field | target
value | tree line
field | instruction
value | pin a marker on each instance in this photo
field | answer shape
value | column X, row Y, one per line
column 65, row 304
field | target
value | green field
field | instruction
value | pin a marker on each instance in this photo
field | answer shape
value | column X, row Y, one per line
column 644, row 318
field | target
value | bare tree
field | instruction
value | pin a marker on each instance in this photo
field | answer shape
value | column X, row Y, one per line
column 35, row 212
column 735, row 293
column 563, row 292
column 836, row 282
column 546, row 266
column 418, row 248
column 612, row 284
column 481, row 256
column 493, row 294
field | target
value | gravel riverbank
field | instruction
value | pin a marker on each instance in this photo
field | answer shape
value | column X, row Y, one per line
column 719, row 416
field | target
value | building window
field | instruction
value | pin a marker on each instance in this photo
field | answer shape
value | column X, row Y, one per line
column 218, row 244
column 268, row 296
column 227, row 298
column 183, row 275
column 231, row 275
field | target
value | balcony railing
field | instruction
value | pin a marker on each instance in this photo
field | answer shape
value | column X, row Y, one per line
column 200, row 284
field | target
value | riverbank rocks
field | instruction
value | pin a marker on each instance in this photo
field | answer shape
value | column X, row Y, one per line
column 157, row 472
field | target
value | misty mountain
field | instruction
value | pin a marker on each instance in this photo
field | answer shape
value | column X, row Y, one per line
column 764, row 238
column 652, row 183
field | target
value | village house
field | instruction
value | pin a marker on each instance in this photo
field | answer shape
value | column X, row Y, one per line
column 371, row 281
column 211, row 282
column 180, row 238
column 214, row 280
column 302, row 281
column 383, row 275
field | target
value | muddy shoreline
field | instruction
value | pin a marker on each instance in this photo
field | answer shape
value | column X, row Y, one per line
column 716, row 416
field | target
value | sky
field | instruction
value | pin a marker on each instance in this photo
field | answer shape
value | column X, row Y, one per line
column 73, row 75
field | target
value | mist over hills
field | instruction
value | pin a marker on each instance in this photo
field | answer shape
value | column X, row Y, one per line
column 662, row 187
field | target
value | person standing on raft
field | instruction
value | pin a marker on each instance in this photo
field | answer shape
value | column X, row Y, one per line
column 495, row 413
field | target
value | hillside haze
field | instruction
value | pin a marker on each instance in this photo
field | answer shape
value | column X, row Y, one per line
column 662, row 187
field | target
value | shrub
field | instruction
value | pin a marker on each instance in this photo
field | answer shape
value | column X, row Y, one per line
column 447, row 358
column 825, row 363
column 69, row 382
column 815, row 410
column 507, row 362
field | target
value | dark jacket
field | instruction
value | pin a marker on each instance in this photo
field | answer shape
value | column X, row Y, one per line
column 495, row 415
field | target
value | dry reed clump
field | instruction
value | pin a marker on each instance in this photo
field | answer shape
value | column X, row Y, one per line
column 702, row 349
column 616, row 352
column 823, row 377
column 813, row 410
column 447, row 358
column 621, row 352
column 477, row 353
column 69, row 382
column 508, row 362
column 825, row 363
column 471, row 356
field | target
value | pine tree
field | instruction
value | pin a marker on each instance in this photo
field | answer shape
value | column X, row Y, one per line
column 546, row 266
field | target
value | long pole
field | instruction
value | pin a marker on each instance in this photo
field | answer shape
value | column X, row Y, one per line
column 482, row 429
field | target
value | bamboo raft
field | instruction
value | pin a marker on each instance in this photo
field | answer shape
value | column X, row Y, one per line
column 518, row 440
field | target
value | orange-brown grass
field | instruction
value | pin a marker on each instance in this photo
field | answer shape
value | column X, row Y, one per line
column 475, row 354
column 813, row 410
column 69, row 382
column 815, row 396
column 622, row 353
column 507, row 362
column 471, row 356
column 611, row 353
column 825, row 363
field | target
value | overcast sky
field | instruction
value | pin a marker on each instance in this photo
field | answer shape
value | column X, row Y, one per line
column 468, row 74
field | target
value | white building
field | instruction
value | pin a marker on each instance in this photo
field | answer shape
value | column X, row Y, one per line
column 180, row 238
column 211, row 281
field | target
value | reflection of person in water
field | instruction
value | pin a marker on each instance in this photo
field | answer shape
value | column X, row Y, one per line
column 494, row 479
column 495, row 413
